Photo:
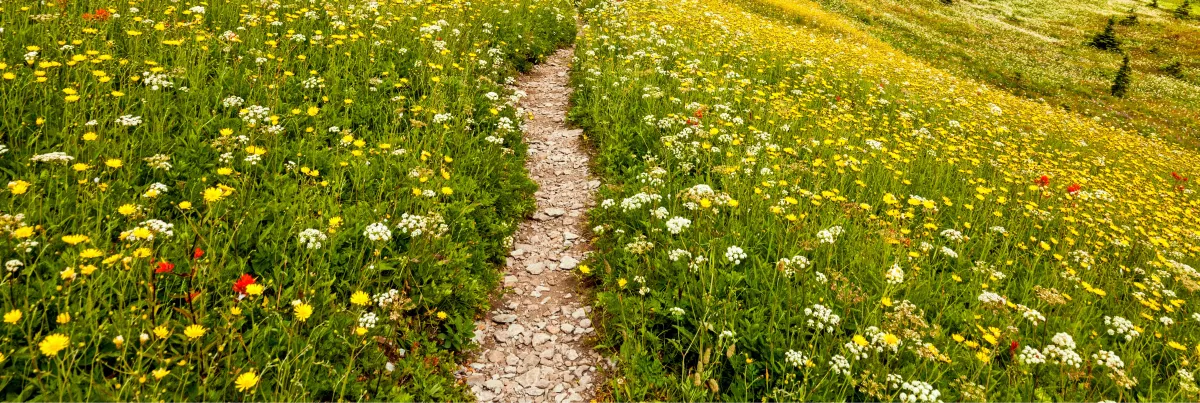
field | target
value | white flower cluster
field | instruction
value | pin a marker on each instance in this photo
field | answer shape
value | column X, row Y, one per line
column 56, row 157
column 734, row 254
column 232, row 101
column 156, row 189
column 829, row 235
column 894, row 275
column 1109, row 359
column 312, row 238
column 638, row 200
column 129, row 120
column 952, row 234
column 1032, row 315
column 795, row 358
column 415, row 225
column 1062, row 352
column 840, row 365
column 1121, row 327
column 822, row 318
column 789, row 266
column 991, row 298
column 254, row 113
column 378, row 232
column 367, row 320
column 919, row 392
column 384, row 299
column 676, row 254
column 676, row 225
column 13, row 265
column 1031, row 356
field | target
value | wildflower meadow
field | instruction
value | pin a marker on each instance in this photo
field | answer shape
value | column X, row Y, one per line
column 796, row 211
column 284, row 200
column 257, row 200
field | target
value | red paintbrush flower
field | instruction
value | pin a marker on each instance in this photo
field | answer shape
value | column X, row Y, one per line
column 1043, row 181
column 164, row 267
column 242, row 282
column 1073, row 188
column 198, row 253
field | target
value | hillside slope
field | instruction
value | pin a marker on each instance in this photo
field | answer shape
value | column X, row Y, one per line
column 797, row 211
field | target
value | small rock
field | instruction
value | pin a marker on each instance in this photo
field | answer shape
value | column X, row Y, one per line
column 535, row 268
column 567, row 327
column 539, row 338
column 504, row 318
column 568, row 263
column 555, row 212
column 578, row 314
column 585, row 322
column 534, row 391
column 495, row 356
column 494, row 384
column 572, row 355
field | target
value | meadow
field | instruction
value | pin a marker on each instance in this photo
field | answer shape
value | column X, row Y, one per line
column 1038, row 49
column 257, row 200
column 795, row 210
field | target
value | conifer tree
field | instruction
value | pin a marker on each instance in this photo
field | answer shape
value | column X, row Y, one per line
column 1107, row 40
column 1184, row 10
column 1121, row 82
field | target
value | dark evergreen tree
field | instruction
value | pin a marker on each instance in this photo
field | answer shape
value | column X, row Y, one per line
column 1153, row 3
column 1174, row 69
column 1184, row 10
column 1121, row 82
column 1107, row 40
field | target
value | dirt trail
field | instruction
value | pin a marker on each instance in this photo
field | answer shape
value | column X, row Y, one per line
column 533, row 340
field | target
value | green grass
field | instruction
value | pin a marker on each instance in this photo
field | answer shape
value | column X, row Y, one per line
column 206, row 142
column 1036, row 49
column 769, row 166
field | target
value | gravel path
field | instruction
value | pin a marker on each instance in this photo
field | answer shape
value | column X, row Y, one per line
column 534, row 339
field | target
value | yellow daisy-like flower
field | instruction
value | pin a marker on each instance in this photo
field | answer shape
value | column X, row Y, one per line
column 254, row 289
column 52, row 344
column 442, row 315
column 194, row 332
column 303, row 311
column 114, row 163
column 360, row 298
column 213, row 194
column 162, row 332
column 127, row 209
column 891, row 339
column 75, row 239
column 63, row 318
column 185, row 205
column 91, row 253
column 246, row 381
column 18, row 187
column 160, row 373
column 12, row 317
column 23, row 232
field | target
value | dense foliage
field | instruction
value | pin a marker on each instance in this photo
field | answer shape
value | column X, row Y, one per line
column 256, row 200
column 796, row 211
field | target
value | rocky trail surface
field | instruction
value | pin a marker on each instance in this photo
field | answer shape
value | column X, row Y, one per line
column 534, row 339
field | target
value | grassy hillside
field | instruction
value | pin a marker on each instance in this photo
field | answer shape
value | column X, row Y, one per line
column 795, row 210
column 1037, row 49
column 256, row 200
